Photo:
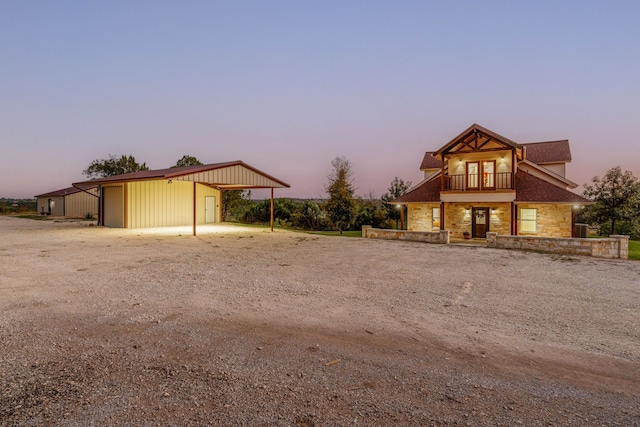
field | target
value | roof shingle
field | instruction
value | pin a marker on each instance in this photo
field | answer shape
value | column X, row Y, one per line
column 426, row 192
column 548, row 152
column 533, row 189
column 430, row 162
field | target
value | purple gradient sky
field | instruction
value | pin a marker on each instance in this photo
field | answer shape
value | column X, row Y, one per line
column 287, row 86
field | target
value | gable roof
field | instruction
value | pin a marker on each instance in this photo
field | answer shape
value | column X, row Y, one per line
column 429, row 161
column 548, row 152
column 549, row 173
column 533, row 189
column 475, row 138
column 225, row 175
column 428, row 191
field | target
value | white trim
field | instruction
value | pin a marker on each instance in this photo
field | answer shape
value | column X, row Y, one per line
column 478, row 197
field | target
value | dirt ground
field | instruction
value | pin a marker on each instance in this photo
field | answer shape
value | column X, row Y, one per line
column 243, row 327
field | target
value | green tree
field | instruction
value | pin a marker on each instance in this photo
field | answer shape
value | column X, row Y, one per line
column 187, row 160
column 616, row 197
column 396, row 189
column 113, row 166
column 341, row 207
column 235, row 203
column 310, row 215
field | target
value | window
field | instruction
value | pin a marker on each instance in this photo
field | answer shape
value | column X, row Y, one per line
column 488, row 173
column 435, row 218
column 528, row 220
column 472, row 174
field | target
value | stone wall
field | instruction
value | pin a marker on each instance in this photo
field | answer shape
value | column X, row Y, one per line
column 441, row 236
column 613, row 247
column 552, row 220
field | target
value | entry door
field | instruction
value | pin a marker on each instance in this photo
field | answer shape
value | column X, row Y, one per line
column 210, row 209
column 480, row 222
column 113, row 206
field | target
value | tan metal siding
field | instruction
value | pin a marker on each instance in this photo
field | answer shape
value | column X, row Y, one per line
column 160, row 204
column 78, row 205
column 236, row 175
column 202, row 191
column 56, row 210
column 113, row 206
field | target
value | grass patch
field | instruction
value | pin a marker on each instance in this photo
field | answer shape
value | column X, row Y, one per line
column 351, row 233
column 634, row 249
column 33, row 216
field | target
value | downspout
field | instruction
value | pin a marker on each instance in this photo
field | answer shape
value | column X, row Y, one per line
column 194, row 208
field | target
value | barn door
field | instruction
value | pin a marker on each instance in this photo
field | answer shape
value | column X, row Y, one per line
column 210, row 209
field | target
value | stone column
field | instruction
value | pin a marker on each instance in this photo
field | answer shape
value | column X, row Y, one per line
column 365, row 230
column 492, row 238
column 623, row 245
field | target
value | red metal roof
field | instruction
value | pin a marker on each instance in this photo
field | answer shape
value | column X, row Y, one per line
column 173, row 173
column 61, row 193
column 548, row 152
column 533, row 189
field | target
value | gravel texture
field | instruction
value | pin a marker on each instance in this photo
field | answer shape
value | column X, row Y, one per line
column 243, row 327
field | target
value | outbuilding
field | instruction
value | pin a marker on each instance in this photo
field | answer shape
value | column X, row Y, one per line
column 69, row 202
column 178, row 196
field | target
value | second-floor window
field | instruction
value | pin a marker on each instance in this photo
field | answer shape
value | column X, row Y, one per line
column 481, row 175
column 472, row 175
column 488, row 174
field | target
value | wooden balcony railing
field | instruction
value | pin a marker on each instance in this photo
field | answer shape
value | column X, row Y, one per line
column 487, row 182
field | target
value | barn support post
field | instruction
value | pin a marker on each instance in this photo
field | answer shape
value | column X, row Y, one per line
column 194, row 208
column 272, row 209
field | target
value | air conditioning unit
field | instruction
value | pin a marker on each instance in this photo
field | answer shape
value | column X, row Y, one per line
column 581, row 231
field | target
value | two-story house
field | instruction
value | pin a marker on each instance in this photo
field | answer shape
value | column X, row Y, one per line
column 481, row 181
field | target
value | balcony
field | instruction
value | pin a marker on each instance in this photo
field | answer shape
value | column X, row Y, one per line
column 473, row 182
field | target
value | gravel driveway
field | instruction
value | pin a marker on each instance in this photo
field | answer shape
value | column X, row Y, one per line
column 241, row 326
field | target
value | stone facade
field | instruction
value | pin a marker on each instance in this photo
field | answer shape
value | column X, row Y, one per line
column 420, row 217
column 552, row 220
column 457, row 217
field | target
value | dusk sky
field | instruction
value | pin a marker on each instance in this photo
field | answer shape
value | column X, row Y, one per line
column 287, row 86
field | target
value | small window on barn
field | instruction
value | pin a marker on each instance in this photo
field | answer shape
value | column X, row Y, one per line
column 528, row 220
column 435, row 218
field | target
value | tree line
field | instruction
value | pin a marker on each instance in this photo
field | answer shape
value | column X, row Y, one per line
column 615, row 197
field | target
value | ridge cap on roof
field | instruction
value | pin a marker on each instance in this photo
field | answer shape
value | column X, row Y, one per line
column 545, row 142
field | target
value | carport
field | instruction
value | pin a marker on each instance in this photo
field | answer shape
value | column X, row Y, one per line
column 188, row 195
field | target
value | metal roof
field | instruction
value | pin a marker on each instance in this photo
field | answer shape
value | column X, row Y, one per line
column 64, row 192
column 235, row 174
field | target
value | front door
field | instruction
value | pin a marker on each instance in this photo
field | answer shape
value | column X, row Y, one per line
column 210, row 209
column 480, row 222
